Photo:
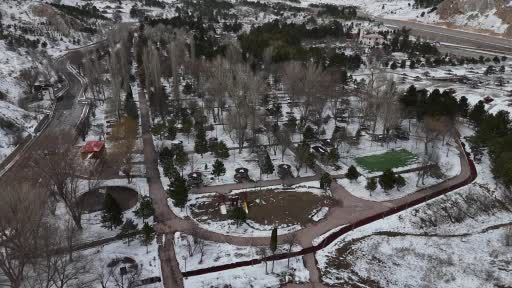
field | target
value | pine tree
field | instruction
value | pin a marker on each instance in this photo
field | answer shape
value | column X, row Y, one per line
column 201, row 144
column 387, row 180
column 325, row 181
column 477, row 113
column 178, row 192
column 145, row 209
column 158, row 129
column 238, row 215
column 352, row 173
column 273, row 244
column 309, row 133
column 222, row 150
column 129, row 105
column 181, row 157
column 218, row 168
column 147, row 236
column 371, row 185
column 394, row 65
column 128, row 228
column 403, row 64
column 267, row 166
column 112, row 215
column 400, row 181
column 463, row 107
column 333, row 156
column 169, row 170
column 171, row 129
column 412, row 64
column 186, row 125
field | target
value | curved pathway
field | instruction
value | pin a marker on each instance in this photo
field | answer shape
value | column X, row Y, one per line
column 350, row 210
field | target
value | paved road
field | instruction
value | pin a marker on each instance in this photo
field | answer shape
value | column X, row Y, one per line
column 456, row 37
column 66, row 116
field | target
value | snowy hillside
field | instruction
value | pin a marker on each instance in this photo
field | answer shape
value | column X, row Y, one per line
column 489, row 16
column 32, row 33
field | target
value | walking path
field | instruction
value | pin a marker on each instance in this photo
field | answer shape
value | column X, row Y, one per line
column 349, row 210
column 169, row 265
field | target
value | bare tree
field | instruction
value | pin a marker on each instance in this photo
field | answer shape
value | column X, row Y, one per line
column 263, row 252
column 30, row 76
column 22, row 211
column 55, row 269
column 60, row 171
column 304, row 86
column 152, row 70
column 290, row 240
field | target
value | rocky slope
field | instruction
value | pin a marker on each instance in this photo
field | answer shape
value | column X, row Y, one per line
column 495, row 15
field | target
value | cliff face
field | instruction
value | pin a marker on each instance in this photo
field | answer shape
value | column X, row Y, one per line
column 473, row 9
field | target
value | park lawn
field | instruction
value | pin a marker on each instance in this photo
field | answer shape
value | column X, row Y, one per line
column 388, row 160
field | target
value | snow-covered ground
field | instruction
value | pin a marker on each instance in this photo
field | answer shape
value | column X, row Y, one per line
column 91, row 222
column 188, row 252
column 146, row 258
column 425, row 246
column 405, row 10
column 254, row 276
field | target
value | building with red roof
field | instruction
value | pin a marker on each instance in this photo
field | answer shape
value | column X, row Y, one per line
column 93, row 149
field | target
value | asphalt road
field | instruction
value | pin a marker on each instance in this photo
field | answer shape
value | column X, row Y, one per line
column 471, row 40
column 66, row 116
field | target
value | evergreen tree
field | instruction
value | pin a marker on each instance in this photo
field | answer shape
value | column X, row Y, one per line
column 325, row 181
column 400, row 181
column 387, row 180
column 267, row 166
column 371, row 185
column 145, row 209
column 201, row 144
column 165, row 154
column 412, row 64
column 222, row 150
column 309, row 133
column 477, row 113
column 129, row 105
column 178, row 192
column 147, row 236
column 171, row 129
column 394, row 65
column 218, row 168
column 463, row 107
column 291, row 123
column 403, row 64
column 128, row 228
column 169, row 170
column 112, row 215
column 491, row 70
column 352, row 173
column 181, row 157
column 273, row 244
column 187, row 124
column 333, row 156
column 238, row 215
column 159, row 130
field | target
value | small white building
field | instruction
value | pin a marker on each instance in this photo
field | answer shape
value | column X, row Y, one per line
column 372, row 39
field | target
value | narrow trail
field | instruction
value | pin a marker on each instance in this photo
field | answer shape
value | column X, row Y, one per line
column 352, row 212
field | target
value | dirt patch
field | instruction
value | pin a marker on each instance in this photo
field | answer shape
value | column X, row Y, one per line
column 92, row 201
column 268, row 207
